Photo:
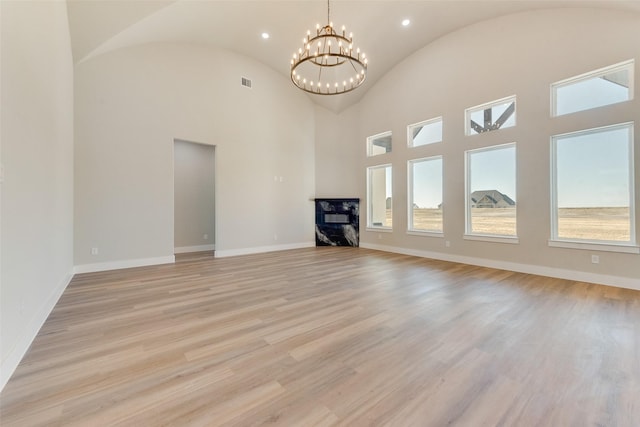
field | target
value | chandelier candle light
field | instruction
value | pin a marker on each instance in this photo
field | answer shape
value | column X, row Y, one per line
column 328, row 63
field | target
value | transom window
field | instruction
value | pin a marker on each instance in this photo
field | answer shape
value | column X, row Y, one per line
column 598, row 88
column 592, row 183
column 491, row 116
column 379, row 144
column 423, row 133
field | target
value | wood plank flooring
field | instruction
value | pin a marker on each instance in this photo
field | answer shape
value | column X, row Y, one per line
column 330, row 336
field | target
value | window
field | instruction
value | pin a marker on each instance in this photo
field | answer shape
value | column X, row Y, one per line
column 491, row 192
column 491, row 116
column 606, row 86
column 425, row 194
column 379, row 144
column 423, row 133
column 592, row 186
column 379, row 196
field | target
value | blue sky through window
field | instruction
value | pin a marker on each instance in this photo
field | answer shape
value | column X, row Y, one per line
column 587, row 94
column 494, row 169
column 427, row 187
column 593, row 169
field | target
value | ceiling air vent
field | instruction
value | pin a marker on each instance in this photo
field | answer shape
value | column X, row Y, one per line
column 246, row 82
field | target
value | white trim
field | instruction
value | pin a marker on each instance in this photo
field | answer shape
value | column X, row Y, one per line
column 554, row 186
column 223, row 253
column 560, row 273
column 28, row 334
column 127, row 263
column 492, row 238
column 593, row 246
column 189, row 249
column 380, row 229
column 369, row 201
column 467, row 185
column 410, row 187
column 426, row 233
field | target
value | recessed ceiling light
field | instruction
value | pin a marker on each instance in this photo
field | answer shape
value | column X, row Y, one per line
column 265, row 35
column 406, row 22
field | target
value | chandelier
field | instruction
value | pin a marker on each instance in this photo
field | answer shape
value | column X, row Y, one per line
column 327, row 63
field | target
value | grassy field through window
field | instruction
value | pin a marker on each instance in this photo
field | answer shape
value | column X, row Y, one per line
column 500, row 221
column 427, row 219
column 594, row 224
column 610, row 224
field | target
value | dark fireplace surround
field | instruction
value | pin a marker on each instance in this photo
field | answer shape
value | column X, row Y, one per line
column 337, row 222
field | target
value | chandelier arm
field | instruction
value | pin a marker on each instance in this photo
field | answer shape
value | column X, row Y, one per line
column 352, row 66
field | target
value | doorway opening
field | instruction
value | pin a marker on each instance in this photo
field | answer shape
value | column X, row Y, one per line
column 194, row 204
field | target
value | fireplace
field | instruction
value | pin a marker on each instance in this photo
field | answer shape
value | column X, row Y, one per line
column 337, row 222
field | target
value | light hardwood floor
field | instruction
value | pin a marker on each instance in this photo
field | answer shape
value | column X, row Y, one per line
column 330, row 336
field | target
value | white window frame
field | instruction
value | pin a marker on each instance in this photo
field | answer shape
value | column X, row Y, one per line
column 467, row 113
column 601, row 245
column 372, row 138
column 468, row 234
column 626, row 65
column 410, row 182
column 422, row 124
column 370, row 225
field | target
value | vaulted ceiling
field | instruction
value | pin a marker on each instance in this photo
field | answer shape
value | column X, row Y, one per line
column 99, row 26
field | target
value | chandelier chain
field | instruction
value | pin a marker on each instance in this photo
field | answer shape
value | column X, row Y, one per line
column 328, row 13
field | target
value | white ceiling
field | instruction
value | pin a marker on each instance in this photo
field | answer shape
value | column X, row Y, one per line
column 98, row 26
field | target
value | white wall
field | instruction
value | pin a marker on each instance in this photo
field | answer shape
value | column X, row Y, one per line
column 519, row 54
column 194, row 196
column 132, row 103
column 37, row 154
column 337, row 154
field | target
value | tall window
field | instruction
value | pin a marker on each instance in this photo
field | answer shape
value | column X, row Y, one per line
column 423, row 133
column 491, row 191
column 606, row 86
column 491, row 116
column 425, row 194
column 379, row 197
column 592, row 178
column 379, row 144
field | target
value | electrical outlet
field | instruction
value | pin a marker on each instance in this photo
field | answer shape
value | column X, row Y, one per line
column 205, row 237
column 94, row 251
column 275, row 236
column 379, row 236
column 595, row 259
column 447, row 244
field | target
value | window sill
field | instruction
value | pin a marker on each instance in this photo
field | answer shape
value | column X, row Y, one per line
column 494, row 239
column 425, row 233
column 380, row 229
column 594, row 246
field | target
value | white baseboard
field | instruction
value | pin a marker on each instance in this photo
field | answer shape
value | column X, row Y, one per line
column 188, row 249
column 560, row 273
column 129, row 263
column 222, row 253
column 29, row 333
